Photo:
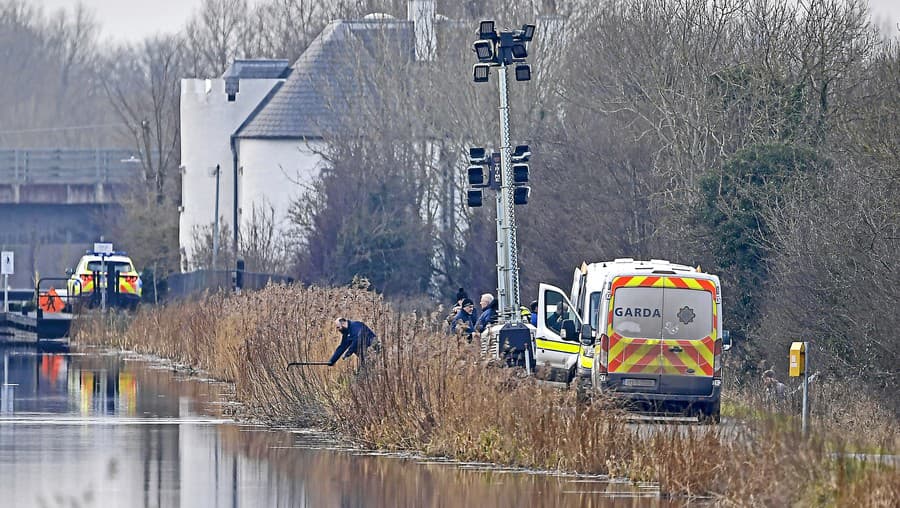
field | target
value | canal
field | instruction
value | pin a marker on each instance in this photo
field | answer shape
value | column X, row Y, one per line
column 99, row 428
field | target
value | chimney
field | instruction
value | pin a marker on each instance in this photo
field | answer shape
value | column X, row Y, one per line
column 421, row 13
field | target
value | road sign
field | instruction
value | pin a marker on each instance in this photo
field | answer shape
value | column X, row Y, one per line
column 103, row 248
column 7, row 262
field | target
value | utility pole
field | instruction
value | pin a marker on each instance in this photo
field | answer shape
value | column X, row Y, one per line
column 215, row 252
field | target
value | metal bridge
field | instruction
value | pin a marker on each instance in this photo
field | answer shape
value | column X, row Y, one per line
column 68, row 167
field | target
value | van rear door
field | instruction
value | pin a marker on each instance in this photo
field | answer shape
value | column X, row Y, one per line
column 688, row 335
column 635, row 335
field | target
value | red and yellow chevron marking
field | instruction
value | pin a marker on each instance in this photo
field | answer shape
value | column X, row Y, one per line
column 694, row 359
column 128, row 284
column 633, row 355
column 655, row 356
column 87, row 283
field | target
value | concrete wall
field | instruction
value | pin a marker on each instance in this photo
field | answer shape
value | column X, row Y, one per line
column 208, row 120
column 60, row 193
column 276, row 173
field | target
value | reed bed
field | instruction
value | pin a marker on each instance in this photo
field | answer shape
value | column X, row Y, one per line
column 430, row 392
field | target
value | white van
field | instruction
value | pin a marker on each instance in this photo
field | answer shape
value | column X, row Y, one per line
column 648, row 331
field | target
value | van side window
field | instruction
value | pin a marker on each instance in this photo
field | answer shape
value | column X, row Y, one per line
column 555, row 310
column 595, row 310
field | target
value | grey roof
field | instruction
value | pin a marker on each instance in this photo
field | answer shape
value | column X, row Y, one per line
column 258, row 69
column 309, row 103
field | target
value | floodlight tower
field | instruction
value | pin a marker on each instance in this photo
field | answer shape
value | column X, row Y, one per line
column 503, row 49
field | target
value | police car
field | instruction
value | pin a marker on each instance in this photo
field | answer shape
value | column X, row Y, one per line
column 91, row 272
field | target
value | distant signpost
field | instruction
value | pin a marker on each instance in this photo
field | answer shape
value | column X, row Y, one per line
column 104, row 249
column 7, row 268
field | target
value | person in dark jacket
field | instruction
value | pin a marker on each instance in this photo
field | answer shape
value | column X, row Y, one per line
column 533, row 308
column 465, row 318
column 555, row 320
column 457, row 306
column 356, row 337
column 489, row 313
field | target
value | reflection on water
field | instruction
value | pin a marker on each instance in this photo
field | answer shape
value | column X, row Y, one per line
column 94, row 429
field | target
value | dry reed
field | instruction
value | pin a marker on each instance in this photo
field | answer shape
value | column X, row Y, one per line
column 430, row 392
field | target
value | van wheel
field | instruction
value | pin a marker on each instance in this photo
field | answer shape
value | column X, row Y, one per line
column 710, row 414
column 581, row 395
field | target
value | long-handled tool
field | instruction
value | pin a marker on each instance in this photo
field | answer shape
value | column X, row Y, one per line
column 297, row 364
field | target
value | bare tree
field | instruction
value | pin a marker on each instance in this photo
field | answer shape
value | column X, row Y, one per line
column 142, row 84
column 215, row 36
column 49, row 97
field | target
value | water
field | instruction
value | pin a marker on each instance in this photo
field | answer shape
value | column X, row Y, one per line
column 107, row 429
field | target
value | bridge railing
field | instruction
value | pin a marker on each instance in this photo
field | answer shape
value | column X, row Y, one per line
column 69, row 166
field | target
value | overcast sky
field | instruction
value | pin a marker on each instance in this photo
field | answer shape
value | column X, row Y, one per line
column 132, row 20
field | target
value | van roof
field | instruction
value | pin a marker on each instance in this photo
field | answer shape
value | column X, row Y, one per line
column 109, row 259
column 628, row 265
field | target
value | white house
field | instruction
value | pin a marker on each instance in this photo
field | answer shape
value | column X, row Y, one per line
column 262, row 123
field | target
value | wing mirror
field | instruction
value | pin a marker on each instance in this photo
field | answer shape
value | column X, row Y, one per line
column 726, row 340
column 587, row 335
column 69, row 272
column 567, row 330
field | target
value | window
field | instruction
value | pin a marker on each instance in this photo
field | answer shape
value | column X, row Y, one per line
column 116, row 266
column 557, row 309
column 637, row 312
column 657, row 313
column 687, row 314
column 595, row 311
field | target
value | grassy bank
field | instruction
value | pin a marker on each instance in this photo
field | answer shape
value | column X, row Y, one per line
column 428, row 392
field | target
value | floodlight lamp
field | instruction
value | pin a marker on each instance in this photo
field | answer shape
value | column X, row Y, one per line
column 523, row 72
column 473, row 198
column 481, row 72
column 519, row 51
column 486, row 30
column 520, row 173
column 476, row 176
column 476, row 155
column 527, row 33
column 484, row 49
column 521, row 195
column 521, row 153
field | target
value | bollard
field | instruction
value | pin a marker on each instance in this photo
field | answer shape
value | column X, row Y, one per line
column 8, row 390
column 7, row 398
column 239, row 275
column 799, row 366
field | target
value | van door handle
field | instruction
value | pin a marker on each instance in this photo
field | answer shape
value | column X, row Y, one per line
column 676, row 349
